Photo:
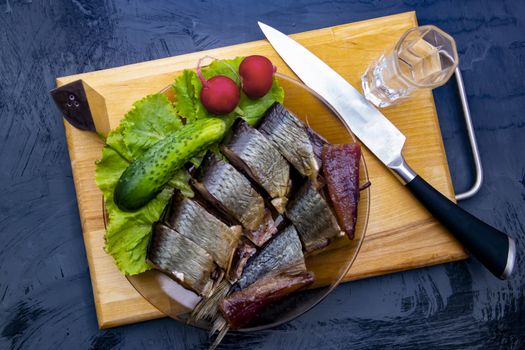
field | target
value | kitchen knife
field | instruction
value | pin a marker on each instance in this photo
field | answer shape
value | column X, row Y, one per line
column 493, row 248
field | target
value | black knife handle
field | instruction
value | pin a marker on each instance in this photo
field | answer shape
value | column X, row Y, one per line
column 491, row 247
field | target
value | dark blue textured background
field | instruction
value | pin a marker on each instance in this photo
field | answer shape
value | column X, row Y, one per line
column 45, row 291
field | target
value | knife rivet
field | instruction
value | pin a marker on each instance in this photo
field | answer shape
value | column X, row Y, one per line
column 69, row 104
column 76, row 104
column 71, row 97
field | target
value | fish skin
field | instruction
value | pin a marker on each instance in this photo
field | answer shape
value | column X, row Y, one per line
column 194, row 222
column 313, row 218
column 264, row 232
column 242, row 306
column 341, row 171
column 222, row 185
column 181, row 259
column 282, row 252
column 245, row 250
column 318, row 143
column 290, row 136
column 252, row 153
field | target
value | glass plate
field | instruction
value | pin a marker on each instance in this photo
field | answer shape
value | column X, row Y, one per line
column 330, row 264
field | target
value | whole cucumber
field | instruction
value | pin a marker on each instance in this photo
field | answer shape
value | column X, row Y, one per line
column 145, row 177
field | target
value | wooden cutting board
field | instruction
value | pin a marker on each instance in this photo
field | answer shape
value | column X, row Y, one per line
column 401, row 233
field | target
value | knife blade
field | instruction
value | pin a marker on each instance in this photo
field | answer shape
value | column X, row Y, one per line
column 494, row 249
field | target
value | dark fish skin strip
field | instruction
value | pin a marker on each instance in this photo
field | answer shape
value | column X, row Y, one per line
column 290, row 136
column 223, row 186
column 311, row 214
column 317, row 144
column 181, row 259
column 194, row 222
column 282, row 252
column 245, row 250
column 242, row 306
column 341, row 171
column 252, row 153
column 264, row 232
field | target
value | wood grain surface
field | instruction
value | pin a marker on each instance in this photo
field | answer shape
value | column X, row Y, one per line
column 46, row 296
column 401, row 234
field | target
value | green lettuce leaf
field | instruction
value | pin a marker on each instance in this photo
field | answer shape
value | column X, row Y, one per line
column 185, row 95
column 108, row 171
column 254, row 110
column 115, row 141
column 128, row 233
column 181, row 181
column 229, row 68
column 149, row 121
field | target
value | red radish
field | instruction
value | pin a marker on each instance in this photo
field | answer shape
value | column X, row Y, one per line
column 256, row 75
column 220, row 94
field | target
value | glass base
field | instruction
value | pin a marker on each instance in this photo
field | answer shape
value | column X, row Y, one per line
column 367, row 91
column 382, row 85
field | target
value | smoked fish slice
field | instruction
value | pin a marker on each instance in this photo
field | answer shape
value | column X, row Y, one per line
column 194, row 222
column 181, row 259
column 341, row 172
column 311, row 215
column 242, row 306
column 290, row 136
column 282, row 252
column 253, row 154
column 229, row 191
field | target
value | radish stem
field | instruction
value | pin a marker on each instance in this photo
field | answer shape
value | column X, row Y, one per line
column 239, row 111
column 199, row 73
column 239, row 80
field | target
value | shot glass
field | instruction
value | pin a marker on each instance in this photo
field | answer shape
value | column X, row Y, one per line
column 424, row 58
